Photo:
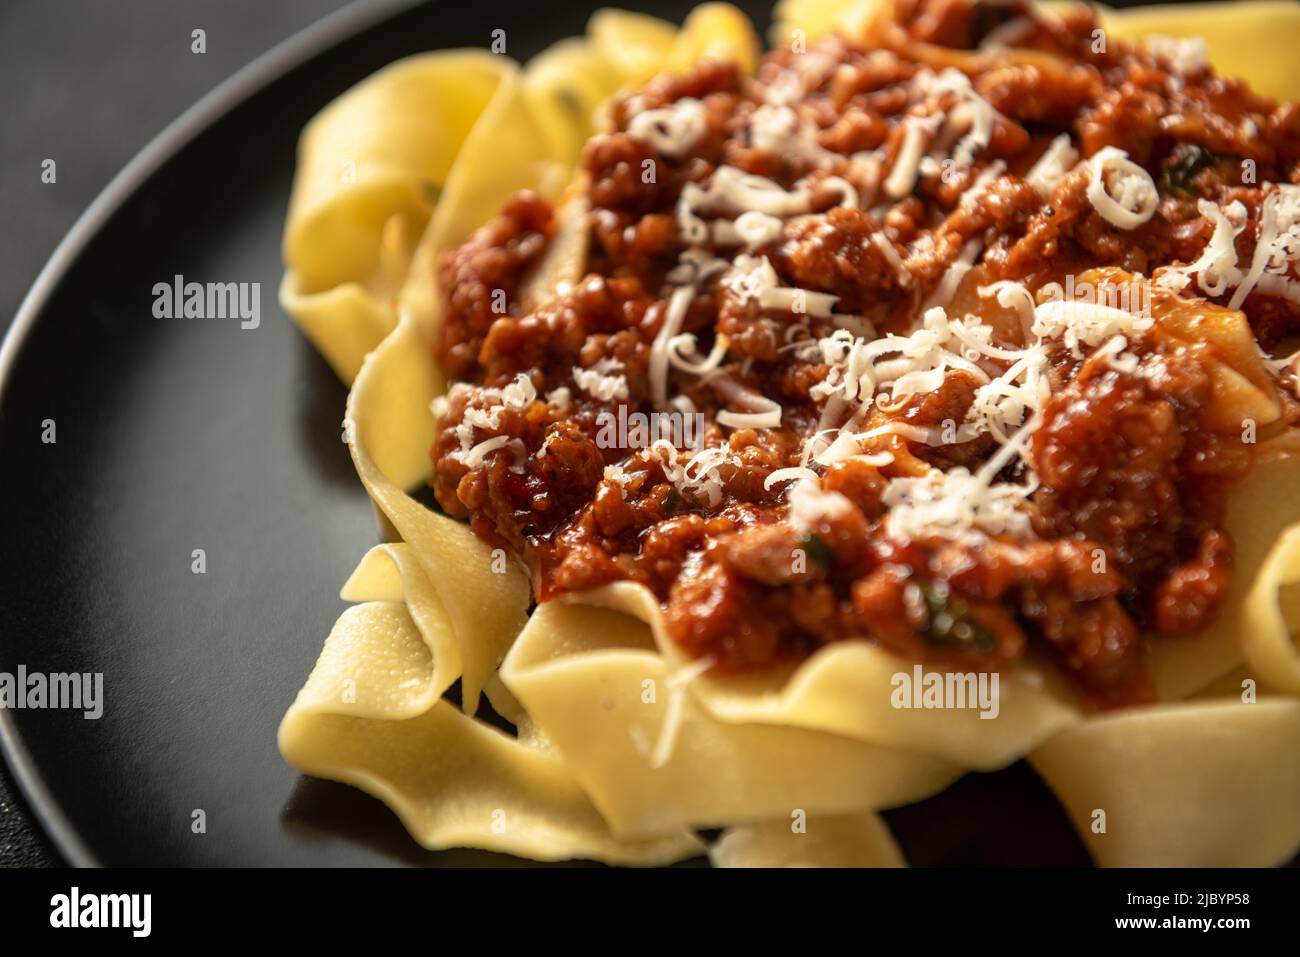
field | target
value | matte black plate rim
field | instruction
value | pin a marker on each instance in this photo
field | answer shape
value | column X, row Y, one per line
column 230, row 93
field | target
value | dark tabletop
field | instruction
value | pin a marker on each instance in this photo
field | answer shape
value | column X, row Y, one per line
column 87, row 84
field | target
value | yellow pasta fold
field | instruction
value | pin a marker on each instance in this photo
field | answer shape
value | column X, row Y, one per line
column 370, row 167
column 1271, row 622
column 635, row 44
column 653, row 760
column 389, row 427
column 365, row 718
column 1260, row 509
column 1182, row 785
column 1254, row 39
column 715, row 32
column 849, row 689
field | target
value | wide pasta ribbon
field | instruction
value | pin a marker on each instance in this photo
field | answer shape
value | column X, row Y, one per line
column 370, row 168
column 367, row 717
column 1201, row 783
column 1271, row 626
column 652, row 759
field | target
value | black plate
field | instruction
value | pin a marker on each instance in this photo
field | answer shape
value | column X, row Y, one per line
column 180, row 434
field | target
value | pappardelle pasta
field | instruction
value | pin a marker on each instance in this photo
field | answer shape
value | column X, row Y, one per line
column 812, row 428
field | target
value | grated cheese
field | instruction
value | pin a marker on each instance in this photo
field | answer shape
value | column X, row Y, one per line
column 948, row 285
column 603, row 381
column 1216, row 268
column 1135, row 197
column 672, row 130
column 955, row 505
column 1084, row 322
column 518, row 394
column 767, row 416
column 675, row 710
column 1278, row 243
column 810, row 505
column 752, row 278
column 678, row 303
column 789, row 475
column 699, row 476
column 881, row 242
column 476, row 455
column 686, row 344
column 907, row 164
column 1183, row 54
column 777, row 127
column 1057, row 160
column 751, row 230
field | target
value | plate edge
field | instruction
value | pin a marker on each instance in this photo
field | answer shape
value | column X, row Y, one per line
column 285, row 56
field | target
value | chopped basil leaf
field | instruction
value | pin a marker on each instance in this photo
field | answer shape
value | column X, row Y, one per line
column 949, row 622
column 818, row 550
column 1181, row 168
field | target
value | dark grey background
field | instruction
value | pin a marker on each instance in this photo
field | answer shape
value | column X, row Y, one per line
column 88, row 83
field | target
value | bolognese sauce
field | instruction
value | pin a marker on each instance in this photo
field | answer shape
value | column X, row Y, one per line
column 846, row 268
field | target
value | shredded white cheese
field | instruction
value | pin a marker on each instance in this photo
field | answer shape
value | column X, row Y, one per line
column 1183, row 54
column 474, row 457
column 603, row 381
column 1216, row 268
column 1057, row 160
column 956, row 505
column 752, row 278
column 1083, row 322
column 487, row 417
column 699, row 476
column 907, row 164
column 1130, row 199
column 672, row 130
column 675, row 709
column 678, row 303
column 778, row 128
column 810, row 505
column 1278, row 244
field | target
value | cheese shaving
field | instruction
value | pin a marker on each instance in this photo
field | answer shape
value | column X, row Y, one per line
column 1057, row 160
column 675, row 710
column 672, row 130
column 1134, row 197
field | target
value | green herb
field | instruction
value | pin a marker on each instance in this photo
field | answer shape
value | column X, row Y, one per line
column 1181, row 168
column 817, row 550
column 949, row 622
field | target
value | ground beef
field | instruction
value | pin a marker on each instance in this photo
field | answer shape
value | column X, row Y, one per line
column 1131, row 479
column 483, row 276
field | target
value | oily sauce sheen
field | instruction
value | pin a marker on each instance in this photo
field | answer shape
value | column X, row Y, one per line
column 1126, row 547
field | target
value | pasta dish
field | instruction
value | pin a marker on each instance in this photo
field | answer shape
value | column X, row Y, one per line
column 801, row 431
